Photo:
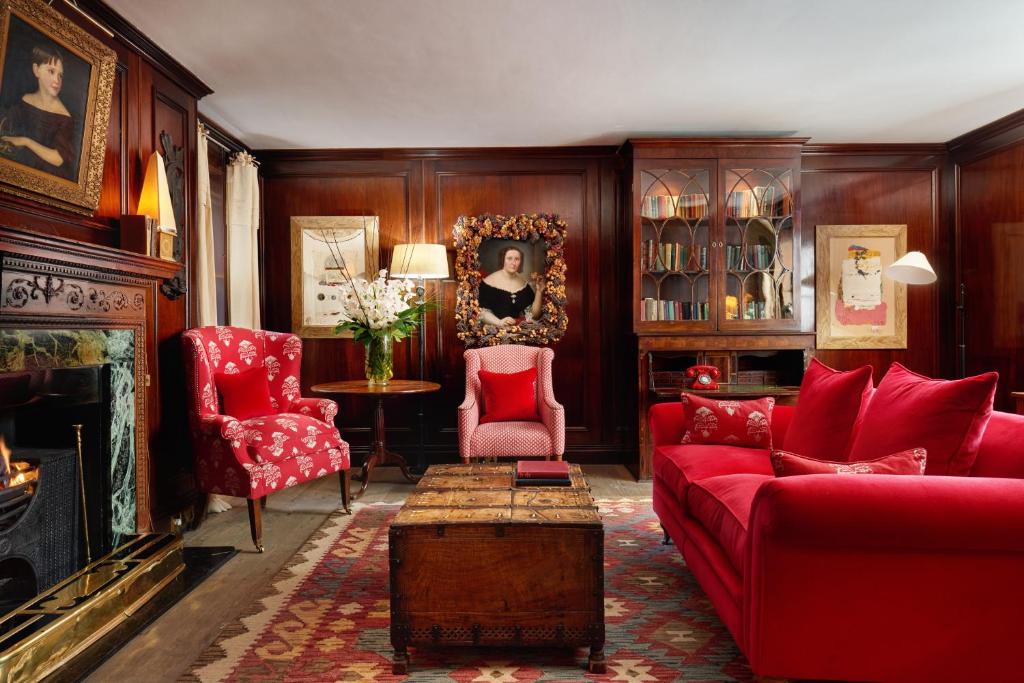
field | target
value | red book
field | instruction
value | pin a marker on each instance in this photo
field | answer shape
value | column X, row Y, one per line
column 542, row 469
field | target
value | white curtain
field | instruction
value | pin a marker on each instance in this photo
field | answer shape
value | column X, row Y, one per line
column 243, row 219
column 206, row 275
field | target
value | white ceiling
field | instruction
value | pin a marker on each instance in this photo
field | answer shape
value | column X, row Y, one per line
column 480, row 73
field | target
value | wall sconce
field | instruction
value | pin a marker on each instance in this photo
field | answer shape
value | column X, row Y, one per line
column 152, row 230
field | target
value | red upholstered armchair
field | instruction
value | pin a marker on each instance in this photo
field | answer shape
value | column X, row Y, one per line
column 254, row 457
column 511, row 439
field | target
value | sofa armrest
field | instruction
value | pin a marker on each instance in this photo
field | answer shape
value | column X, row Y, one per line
column 922, row 572
column 666, row 423
column 469, row 419
column 900, row 512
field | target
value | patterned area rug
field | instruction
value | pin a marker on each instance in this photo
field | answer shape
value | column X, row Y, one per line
column 325, row 617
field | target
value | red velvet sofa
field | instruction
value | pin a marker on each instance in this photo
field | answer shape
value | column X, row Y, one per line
column 858, row 578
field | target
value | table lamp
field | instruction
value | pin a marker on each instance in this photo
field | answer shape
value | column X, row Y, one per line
column 420, row 262
column 152, row 230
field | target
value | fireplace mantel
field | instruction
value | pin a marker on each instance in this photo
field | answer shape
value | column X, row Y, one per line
column 56, row 283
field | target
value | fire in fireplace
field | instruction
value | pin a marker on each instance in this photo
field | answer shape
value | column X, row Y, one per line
column 18, row 480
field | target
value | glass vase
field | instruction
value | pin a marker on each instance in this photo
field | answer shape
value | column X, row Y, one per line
column 379, row 360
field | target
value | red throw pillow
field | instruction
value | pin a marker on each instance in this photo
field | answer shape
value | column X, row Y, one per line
column 244, row 394
column 945, row 417
column 736, row 423
column 509, row 396
column 826, row 413
column 910, row 461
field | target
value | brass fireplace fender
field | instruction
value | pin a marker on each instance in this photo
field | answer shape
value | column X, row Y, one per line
column 86, row 606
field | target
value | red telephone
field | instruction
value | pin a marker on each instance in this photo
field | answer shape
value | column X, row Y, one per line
column 703, row 376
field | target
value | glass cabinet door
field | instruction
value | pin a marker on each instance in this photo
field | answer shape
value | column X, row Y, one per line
column 675, row 246
column 761, row 245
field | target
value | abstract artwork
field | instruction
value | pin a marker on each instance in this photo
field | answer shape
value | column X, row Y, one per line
column 858, row 306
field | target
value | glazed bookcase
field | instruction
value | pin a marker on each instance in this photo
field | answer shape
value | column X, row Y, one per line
column 719, row 274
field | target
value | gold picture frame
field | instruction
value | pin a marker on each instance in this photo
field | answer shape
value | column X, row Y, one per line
column 64, row 166
column 857, row 305
column 315, row 241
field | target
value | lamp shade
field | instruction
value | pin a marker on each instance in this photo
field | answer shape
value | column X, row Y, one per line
column 155, row 198
column 427, row 261
column 912, row 268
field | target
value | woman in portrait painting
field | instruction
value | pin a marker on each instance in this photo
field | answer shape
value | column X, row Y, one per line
column 505, row 296
column 38, row 129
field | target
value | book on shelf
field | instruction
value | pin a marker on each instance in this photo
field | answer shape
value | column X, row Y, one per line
column 767, row 201
column 665, row 206
column 672, row 311
column 758, row 257
column 657, row 257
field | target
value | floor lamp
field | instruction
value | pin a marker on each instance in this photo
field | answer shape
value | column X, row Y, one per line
column 420, row 262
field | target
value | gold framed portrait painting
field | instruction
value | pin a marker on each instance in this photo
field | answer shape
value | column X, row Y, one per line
column 858, row 305
column 56, row 82
column 327, row 250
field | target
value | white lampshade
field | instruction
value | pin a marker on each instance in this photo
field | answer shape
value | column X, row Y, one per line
column 155, row 198
column 912, row 268
column 427, row 261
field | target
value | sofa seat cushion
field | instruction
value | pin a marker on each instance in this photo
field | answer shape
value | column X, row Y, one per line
column 286, row 435
column 680, row 465
column 504, row 439
column 722, row 506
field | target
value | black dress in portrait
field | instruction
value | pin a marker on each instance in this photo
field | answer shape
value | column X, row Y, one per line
column 505, row 304
column 48, row 129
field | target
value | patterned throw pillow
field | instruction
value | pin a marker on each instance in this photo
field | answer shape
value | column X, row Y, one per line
column 732, row 423
column 911, row 461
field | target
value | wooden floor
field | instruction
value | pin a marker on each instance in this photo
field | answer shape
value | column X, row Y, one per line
column 166, row 649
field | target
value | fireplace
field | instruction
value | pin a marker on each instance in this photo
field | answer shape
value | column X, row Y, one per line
column 39, row 537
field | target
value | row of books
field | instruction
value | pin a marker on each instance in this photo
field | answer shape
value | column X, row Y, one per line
column 759, row 256
column 657, row 257
column 758, row 201
column 667, row 309
column 752, row 310
column 663, row 206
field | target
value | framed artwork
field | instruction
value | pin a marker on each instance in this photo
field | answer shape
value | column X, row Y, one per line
column 858, row 307
column 325, row 250
column 511, row 279
column 55, row 87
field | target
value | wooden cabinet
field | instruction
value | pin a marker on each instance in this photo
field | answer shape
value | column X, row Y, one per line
column 718, row 274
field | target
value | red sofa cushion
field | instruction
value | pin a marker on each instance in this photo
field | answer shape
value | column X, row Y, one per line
column 245, row 394
column 722, row 506
column 945, row 417
column 509, row 396
column 827, row 411
column 678, row 466
column 911, row 461
column 732, row 423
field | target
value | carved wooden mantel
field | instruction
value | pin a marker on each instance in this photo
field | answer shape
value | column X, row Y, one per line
column 51, row 282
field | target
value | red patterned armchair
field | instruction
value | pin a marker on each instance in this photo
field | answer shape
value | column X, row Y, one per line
column 252, row 458
column 511, row 439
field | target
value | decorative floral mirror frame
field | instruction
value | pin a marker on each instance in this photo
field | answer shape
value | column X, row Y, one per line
column 470, row 233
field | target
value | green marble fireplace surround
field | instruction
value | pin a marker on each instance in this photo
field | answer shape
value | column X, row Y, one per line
column 43, row 349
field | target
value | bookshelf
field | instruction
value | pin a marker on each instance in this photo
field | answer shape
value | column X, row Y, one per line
column 717, row 273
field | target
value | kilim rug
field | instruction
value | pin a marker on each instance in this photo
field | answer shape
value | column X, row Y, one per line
column 325, row 617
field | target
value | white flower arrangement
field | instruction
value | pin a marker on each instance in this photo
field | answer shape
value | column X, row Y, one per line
column 376, row 306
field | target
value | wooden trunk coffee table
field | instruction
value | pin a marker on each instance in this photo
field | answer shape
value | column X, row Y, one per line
column 476, row 560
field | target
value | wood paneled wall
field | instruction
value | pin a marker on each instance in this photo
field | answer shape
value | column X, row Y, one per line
column 989, row 200
column 896, row 184
column 152, row 93
column 418, row 195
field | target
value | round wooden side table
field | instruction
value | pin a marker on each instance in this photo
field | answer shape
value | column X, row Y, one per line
column 379, row 454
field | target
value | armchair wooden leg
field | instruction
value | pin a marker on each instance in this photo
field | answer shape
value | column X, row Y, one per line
column 256, row 524
column 346, row 486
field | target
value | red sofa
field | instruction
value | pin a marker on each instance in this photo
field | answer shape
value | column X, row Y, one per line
column 862, row 578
